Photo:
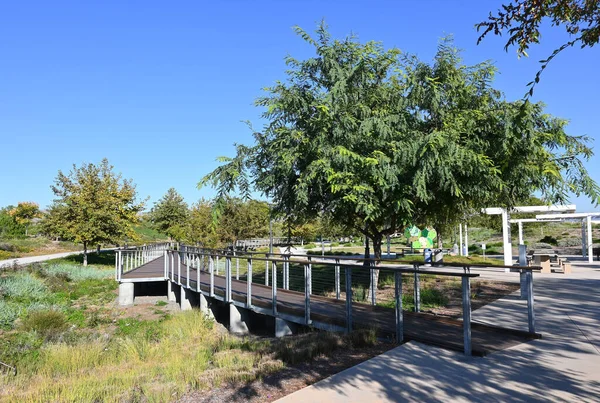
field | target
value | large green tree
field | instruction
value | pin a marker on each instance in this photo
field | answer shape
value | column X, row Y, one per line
column 376, row 140
column 94, row 205
column 170, row 214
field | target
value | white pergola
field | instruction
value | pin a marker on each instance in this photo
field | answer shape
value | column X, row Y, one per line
column 508, row 257
column 586, row 228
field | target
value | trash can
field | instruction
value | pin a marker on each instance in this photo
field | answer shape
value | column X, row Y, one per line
column 427, row 255
column 438, row 256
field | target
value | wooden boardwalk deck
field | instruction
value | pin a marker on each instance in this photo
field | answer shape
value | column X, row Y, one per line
column 426, row 328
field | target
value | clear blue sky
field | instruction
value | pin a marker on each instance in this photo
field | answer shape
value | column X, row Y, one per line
column 161, row 88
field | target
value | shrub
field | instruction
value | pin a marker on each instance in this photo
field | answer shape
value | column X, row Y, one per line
column 48, row 324
column 7, row 247
column 8, row 314
column 362, row 338
column 549, row 239
column 23, row 286
column 71, row 272
column 306, row 347
column 568, row 242
column 542, row 245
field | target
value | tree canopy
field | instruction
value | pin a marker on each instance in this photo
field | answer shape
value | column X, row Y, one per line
column 375, row 139
column 169, row 215
column 25, row 212
column 94, row 205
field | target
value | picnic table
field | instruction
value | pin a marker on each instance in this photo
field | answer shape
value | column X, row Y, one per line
column 546, row 258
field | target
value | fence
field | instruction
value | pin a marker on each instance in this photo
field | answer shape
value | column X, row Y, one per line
column 308, row 279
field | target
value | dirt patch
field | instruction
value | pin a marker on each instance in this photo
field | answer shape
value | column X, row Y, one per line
column 288, row 380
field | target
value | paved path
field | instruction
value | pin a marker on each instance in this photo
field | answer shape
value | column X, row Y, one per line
column 563, row 366
column 42, row 258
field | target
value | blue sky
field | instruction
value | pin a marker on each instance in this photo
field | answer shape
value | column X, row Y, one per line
column 161, row 88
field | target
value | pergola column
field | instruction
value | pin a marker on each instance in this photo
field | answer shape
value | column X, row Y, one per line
column 590, row 244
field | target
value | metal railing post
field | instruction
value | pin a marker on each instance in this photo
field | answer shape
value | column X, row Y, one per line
column 179, row 267
column 373, row 285
column 211, row 268
column 466, row 302
column 198, row 269
column 237, row 266
column 267, row 270
column 530, row 310
column 172, row 266
column 166, row 266
column 417, row 289
column 399, row 314
column 348, row 272
column 274, row 287
column 309, row 275
column 249, row 284
column 337, row 278
column 307, row 294
column 187, row 265
column 227, row 279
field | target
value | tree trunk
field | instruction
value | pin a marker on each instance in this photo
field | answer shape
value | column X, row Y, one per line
column 377, row 241
column 367, row 248
column 98, row 249
column 85, row 254
column 440, row 243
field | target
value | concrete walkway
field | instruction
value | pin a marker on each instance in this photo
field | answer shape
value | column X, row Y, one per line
column 563, row 366
column 36, row 259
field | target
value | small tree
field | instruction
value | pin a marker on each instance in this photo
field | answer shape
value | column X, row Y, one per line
column 9, row 227
column 24, row 213
column 170, row 214
column 94, row 206
column 242, row 220
column 201, row 229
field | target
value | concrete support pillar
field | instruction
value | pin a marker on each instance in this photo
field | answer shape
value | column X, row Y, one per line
column 284, row 327
column 170, row 293
column 185, row 298
column 126, row 294
column 238, row 317
column 205, row 307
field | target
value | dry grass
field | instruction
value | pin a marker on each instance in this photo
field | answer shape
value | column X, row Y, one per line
column 188, row 355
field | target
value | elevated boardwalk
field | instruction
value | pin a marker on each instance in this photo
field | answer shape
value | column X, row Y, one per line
column 324, row 312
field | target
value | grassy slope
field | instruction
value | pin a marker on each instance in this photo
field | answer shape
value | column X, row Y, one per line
column 70, row 343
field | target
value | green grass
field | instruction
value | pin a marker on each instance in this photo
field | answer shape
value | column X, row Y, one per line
column 430, row 298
